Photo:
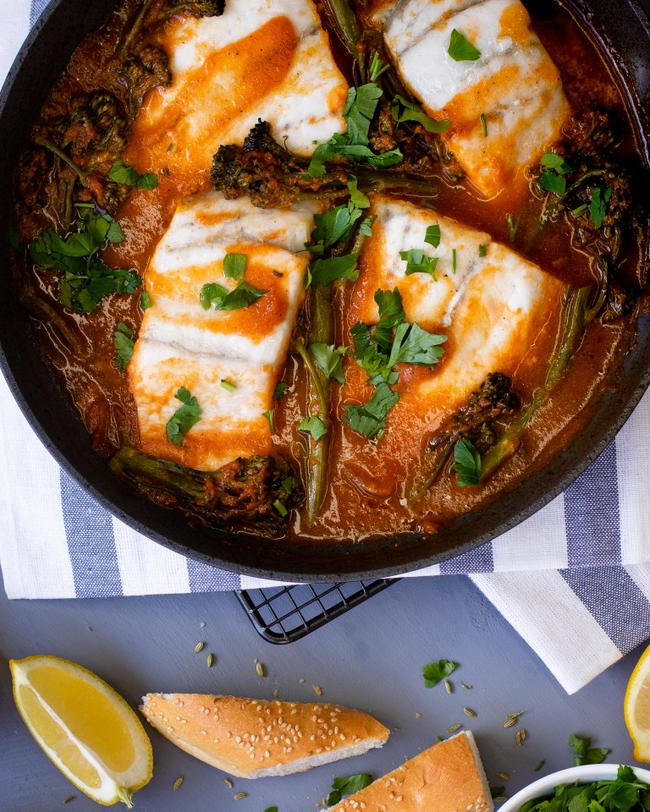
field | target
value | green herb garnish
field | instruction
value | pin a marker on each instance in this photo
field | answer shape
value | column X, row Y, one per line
column 377, row 67
column 128, row 176
column 417, row 262
column 184, row 417
column 325, row 271
column 513, row 226
column 434, row 673
column 550, row 182
column 404, row 110
column 244, row 295
column 484, row 125
column 347, row 786
column 229, row 386
column 280, row 390
column 584, row 753
column 123, row 341
column 85, row 279
column 432, row 236
column 145, row 300
column 270, row 418
column 598, row 206
column 482, row 250
column 330, row 359
column 461, row 49
column 467, row 463
column 234, row 266
column 281, row 509
column 313, row 426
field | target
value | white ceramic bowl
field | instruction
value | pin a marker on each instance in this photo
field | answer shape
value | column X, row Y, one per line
column 585, row 774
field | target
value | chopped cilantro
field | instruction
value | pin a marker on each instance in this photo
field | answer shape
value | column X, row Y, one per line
column 370, row 419
column 330, row 359
column 325, row 271
column 270, row 418
column 454, row 260
column 280, row 390
column 404, row 110
column 85, row 279
column 313, row 426
column 184, row 417
column 229, row 386
column 281, row 509
column 550, row 182
column 484, row 125
column 366, row 227
column 598, row 206
column 126, row 175
column 418, row 262
column 432, row 236
column 289, row 483
column 551, row 160
column 467, row 463
column 145, row 300
column 513, row 226
column 334, row 225
column 123, row 341
column 357, row 198
column 377, row 67
column 482, row 250
column 461, row 49
column 347, row 786
column 234, row 266
column 583, row 752
column 435, row 672
column 243, row 295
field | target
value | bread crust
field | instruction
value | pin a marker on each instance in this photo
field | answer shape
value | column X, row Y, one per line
column 251, row 738
column 448, row 777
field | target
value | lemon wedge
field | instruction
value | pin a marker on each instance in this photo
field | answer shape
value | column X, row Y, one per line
column 84, row 726
column 636, row 707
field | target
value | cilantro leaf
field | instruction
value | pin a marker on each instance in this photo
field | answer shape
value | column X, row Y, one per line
column 280, row 390
column 244, row 295
column 271, row 809
column 411, row 112
column 126, row 175
column 391, row 313
column 145, row 300
column 584, row 753
column 184, row 417
column 234, row 266
column 325, row 271
column 578, row 745
column 598, row 206
column 370, row 419
column 413, row 345
column 467, row 463
column 551, row 182
column 313, row 426
column 347, row 786
column 85, row 279
column 357, row 198
column 377, row 67
column 359, row 109
column 551, row 160
column 123, row 341
column 461, row 49
column 330, row 359
column 385, row 159
column 212, row 294
column 418, row 262
column 432, row 236
column 334, row 225
column 433, row 673
column 270, row 418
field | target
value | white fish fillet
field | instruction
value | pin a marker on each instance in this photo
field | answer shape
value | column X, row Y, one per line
column 514, row 83
column 266, row 59
column 182, row 345
column 492, row 307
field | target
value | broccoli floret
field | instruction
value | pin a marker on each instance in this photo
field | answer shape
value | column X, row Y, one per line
column 142, row 71
column 95, row 134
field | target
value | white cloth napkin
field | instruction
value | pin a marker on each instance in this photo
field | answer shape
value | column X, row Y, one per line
column 573, row 580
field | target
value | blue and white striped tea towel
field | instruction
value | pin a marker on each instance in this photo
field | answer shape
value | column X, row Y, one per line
column 573, row 580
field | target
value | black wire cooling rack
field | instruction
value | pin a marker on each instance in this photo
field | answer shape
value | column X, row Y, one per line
column 284, row 614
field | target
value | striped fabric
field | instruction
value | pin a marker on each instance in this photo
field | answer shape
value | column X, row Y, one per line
column 573, row 580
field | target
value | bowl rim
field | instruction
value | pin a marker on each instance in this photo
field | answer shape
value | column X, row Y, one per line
column 583, row 772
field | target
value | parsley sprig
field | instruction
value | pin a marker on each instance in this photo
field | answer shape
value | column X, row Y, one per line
column 354, row 144
column 626, row 793
column 467, row 463
column 123, row 341
column 404, row 110
column 127, row 175
column 347, row 786
column 184, row 417
column 85, row 279
column 433, row 673
column 378, row 350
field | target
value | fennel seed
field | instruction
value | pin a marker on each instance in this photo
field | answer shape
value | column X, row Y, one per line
column 515, row 715
column 448, row 687
column 469, row 712
column 503, row 776
column 178, row 782
column 210, row 660
column 260, row 670
column 239, row 796
column 199, row 647
column 69, row 798
column 228, row 783
column 510, row 723
column 521, row 736
column 500, row 799
column 453, row 728
column 467, row 687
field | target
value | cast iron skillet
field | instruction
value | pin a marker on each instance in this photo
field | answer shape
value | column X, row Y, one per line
column 624, row 35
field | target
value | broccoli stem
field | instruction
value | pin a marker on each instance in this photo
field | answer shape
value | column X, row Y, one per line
column 44, row 142
column 348, row 29
column 576, row 315
column 129, row 463
column 431, row 472
column 135, row 28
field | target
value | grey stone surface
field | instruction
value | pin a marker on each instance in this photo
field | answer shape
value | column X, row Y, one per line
column 370, row 658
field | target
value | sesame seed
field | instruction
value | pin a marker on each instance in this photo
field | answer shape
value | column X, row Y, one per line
column 317, row 690
column 204, row 733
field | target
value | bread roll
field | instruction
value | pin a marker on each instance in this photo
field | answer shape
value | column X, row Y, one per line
column 448, row 777
column 252, row 738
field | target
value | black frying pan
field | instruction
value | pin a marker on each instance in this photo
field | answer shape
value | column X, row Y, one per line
column 623, row 33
